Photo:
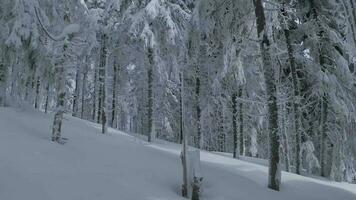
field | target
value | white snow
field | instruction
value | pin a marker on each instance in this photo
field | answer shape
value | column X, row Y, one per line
column 69, row 29
column 92, row 166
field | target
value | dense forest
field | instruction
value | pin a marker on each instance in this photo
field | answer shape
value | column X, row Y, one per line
column 270, row 79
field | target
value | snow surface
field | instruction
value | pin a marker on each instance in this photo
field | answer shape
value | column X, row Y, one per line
column 120, row 166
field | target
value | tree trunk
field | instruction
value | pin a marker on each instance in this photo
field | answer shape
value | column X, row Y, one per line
column 198, row 110
column 285, row 19
column 221, row 131
column 100, row 95
column 285, row 140
column 31, row 78
column 323, row 145
column 3, row 73
column 269, row 75
column 61, row 93
column 38, row 84
column 114, row 97
column 234, row 122
column 241, row 124
column 180, row 136
column 102, row 82
column 150, row 93
column 47, row 97
column 84, row 86
column 95, row 93
column 76, row 94
column 184, row 145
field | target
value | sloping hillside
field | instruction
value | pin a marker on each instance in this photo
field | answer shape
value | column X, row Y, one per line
column 92, row 166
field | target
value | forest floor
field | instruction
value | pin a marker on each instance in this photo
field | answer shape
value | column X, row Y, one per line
column 120, row 166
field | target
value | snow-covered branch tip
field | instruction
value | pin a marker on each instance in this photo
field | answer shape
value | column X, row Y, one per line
column 69, row 29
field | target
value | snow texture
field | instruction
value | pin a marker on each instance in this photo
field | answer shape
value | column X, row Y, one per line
column 92, row 166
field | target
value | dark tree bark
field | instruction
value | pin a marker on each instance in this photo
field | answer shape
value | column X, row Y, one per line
column 180, row 136
column 198, row 109
column 150, row 93
column 271, row 91
column 3, row 73
column 47, row 97
column 95, row 94
column 76, row 94
column 324, row 128
column 114, row 97
column 184, row 143
column 38, row 85
column 285, row 20
column 102, row 82
column 84, row 86
column 234, row 122
column 241, row 123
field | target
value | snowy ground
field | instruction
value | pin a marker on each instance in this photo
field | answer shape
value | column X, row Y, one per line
column 119, row 166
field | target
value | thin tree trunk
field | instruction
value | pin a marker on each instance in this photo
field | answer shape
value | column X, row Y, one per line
column 221, row 129
column 84, row 86
column 3, row 75
column 269, row 73
column 76, row 93
column 95, row 93
column 323, row 149
column 38, row 84
column 234, row 122
column 102, row 82
column 114, row 98
column 100, row 95
column 31, row 79
column 241, row 123
column 47, row 97
column 198, row 109
column 184, row 146
column 150, row 93
column 180, row 137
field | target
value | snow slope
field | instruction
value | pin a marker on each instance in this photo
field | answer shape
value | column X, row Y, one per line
column 119, row 166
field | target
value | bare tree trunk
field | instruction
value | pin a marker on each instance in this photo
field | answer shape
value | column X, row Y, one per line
column 269, row 75
column 76, row 93
column 102, row 82
column 184, row 145
column 241, row 123
column 234, row 122
column 38, row 84
column 100, row 95
column 285, row 19
column 198, row 109
column 222, row 136
column 3, row 74
column 285, row 140
column 31, row 78
column 60, row 108
column 95, row 93
column 47, row 97
column 180, row 136
column 323, row 126
column 150, row 94
column 84, row 86
column 114, row 97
